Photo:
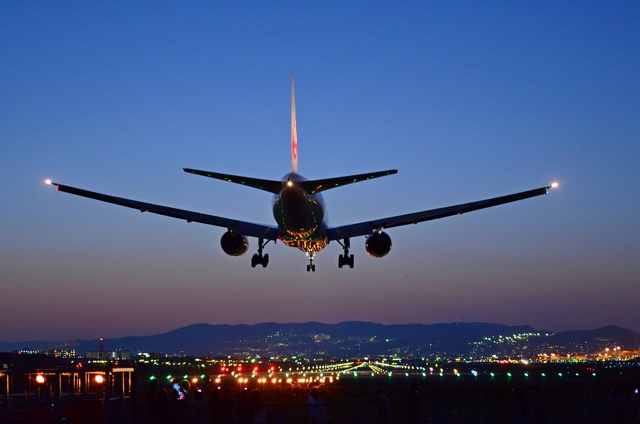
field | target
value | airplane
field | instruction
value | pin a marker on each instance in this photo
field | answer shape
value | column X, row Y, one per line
column 299, row 212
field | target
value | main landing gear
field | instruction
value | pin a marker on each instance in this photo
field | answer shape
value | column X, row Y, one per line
column 346, row 259
column 259, row 258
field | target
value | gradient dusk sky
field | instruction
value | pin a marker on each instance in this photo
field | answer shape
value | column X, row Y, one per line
column 468, row 100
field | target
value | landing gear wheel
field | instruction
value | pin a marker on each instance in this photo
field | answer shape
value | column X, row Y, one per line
column 350, row 261
column 311, row 268
column 340, row 261
column 265, row 261
column 255, row 260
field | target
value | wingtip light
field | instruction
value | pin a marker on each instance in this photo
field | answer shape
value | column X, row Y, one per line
column 48, row 181
column 554, row 184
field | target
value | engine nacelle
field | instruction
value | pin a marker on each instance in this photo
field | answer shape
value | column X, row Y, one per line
column 378, row 244
column 234, row 244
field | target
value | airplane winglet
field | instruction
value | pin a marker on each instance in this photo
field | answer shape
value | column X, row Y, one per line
column 294, row 131
column 49, row 182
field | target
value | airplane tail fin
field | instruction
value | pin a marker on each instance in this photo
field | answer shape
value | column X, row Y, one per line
column 294, row 132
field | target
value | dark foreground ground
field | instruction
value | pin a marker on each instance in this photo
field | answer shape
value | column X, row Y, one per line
column 572, row 395
column 492, row 395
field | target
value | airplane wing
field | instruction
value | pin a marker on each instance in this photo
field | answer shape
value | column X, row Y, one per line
column 365, row 228
column 245, row 228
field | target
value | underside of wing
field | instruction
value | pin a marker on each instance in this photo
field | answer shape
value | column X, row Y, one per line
column 239, row 227
column 365, row 228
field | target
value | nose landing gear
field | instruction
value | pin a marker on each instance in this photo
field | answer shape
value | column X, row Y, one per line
column 311, row 266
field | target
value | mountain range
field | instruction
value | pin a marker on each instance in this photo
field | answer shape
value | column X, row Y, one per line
column 356, row 339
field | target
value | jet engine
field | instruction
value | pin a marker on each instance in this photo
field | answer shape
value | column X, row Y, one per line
column 378, row 244
column 234, row 244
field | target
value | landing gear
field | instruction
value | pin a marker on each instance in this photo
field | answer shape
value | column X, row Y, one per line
column 259, row 258
column 346, row 259
column 311, row 266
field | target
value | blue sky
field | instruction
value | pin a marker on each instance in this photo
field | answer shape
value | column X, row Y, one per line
column 467, row 100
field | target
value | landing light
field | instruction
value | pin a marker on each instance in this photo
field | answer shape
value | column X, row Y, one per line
column 289, row 183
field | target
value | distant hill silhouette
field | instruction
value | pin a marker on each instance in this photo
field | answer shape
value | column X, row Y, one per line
column 355, row 339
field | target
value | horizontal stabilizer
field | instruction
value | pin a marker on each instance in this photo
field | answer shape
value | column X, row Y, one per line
column 267, row 185
column 316, row 186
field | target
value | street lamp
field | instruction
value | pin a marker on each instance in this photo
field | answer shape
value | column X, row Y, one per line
column 99, row 379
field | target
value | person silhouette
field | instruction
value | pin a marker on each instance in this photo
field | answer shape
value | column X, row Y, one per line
column 317, row 413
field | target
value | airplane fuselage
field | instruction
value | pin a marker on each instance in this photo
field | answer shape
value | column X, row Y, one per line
column 301, row 216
